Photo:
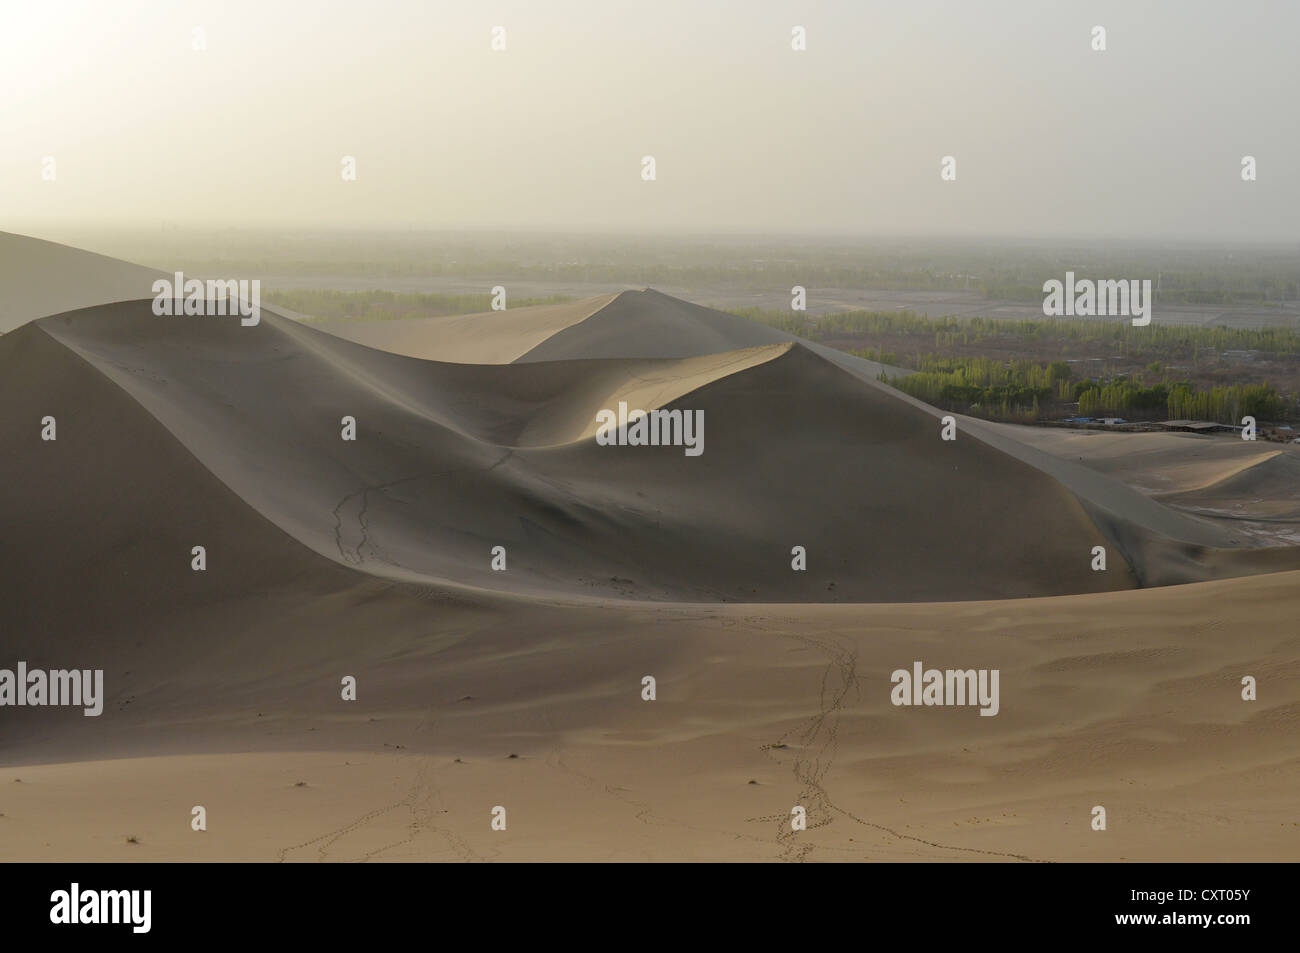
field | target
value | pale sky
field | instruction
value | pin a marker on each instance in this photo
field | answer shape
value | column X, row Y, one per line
column 1050, row 137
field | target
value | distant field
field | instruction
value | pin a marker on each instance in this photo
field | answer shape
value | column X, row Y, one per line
column 962, row 305
column 325, row 305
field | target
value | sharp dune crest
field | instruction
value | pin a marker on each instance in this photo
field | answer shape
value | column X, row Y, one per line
column 488, row 337
column 648, row 323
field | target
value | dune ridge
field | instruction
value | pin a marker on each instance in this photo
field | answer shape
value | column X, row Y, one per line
column 455, row 459
column 487, row 337
column 441, row 473
column 629, row 324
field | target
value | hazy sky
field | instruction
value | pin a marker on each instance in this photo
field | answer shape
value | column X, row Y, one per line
column 1049, row 137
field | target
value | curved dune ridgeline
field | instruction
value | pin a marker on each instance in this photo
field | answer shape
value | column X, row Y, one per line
column 452, row 460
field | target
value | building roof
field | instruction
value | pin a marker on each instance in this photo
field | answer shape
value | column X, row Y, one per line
column 1193, row 424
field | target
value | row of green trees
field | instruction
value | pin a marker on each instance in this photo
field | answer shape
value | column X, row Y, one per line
column 1225, row 405
column 976, row 392
column 1023, row 390
column 1154, row 342
column 879, row 355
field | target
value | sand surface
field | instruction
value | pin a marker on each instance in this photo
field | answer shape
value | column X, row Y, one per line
column 490, row 337
column 1128, row 700
column 39, row 278
column 371, row 559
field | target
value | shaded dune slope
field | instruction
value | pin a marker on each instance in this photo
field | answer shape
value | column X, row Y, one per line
column 95, row 559
column 1169, row 545
column 452, row 460
column 40, row 278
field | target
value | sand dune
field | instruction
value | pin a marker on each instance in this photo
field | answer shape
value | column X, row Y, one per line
column 453, row 460
column 1260, row 499
column 39, row 278
column 489, row 337
column 1247, row 489
column 1267, row 487
column 630, row 324
column 650, row 324
column 448, row 466
column 1154, row 463
column 625, row 325
column 328, row 558
column 1125, row 700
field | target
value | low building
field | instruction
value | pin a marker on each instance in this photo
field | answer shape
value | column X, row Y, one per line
column 1196, row 426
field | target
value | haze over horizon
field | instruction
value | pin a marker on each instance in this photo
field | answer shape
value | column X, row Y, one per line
column 1051, row 138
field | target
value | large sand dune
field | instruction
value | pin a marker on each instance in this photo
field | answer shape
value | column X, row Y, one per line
column 452, row 460
column 328, row 558
column 39, row 278
column 630, row 324
column 1248, row 490
column 489, row 337
column 650, row 324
